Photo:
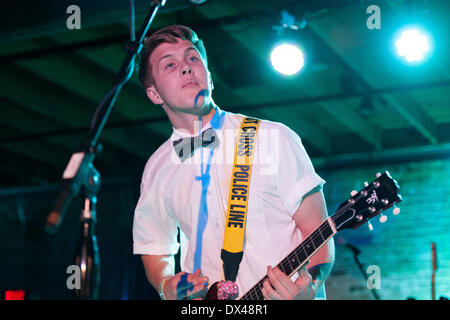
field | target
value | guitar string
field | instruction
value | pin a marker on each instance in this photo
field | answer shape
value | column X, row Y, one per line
column 314, row 236
column 256, row 289
column 338, row 214
column 300, row 255
column 316, row 233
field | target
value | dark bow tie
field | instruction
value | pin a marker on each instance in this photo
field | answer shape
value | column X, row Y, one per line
column 185, row 147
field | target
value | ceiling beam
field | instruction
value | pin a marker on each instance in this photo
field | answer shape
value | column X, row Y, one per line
column 235, row 12
column 91, row 79
column 239, row 107
column 132, row 101
column 30, row 123
column 414, row 114
column 384, row 157
column 292, row 118
column 355, row 123
column 48, row 21
column 253, row 39
column 54, row 102
column 326, row 29
column 52, row 154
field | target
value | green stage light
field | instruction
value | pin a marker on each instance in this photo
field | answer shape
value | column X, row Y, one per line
column 287, row 59
column 413, row 45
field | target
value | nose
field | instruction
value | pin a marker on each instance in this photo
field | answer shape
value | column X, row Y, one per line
column 186, row 70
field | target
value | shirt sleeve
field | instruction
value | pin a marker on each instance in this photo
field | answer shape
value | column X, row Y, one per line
column 154, row 229
column 296, row 175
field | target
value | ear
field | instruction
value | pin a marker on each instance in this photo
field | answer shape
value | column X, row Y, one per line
column 210, row 80
column 153, row 95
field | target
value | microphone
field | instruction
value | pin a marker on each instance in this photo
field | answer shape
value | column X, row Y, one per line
column 55, row 217
column 69, row 187
column 79, row 172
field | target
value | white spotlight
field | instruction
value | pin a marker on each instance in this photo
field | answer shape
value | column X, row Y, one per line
column 287, row 59
column 412, row 45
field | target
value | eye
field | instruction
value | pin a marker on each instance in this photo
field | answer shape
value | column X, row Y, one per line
column 170, row 65
column 193, row 59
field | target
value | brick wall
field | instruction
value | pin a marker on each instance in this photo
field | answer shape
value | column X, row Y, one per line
column 401, row 247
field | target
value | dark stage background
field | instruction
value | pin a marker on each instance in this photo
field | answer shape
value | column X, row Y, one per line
column 358, row 106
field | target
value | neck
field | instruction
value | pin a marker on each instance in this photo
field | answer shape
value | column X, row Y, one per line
column 190, row 122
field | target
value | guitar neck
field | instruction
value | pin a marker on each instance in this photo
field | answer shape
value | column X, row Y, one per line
column 298, row 257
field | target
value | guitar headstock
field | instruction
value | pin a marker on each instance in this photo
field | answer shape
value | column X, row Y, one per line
column 376, row 197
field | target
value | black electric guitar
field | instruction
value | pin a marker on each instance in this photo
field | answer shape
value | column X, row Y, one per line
column 376, row 197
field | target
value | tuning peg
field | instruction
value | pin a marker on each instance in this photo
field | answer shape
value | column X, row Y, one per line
column 396, row 211
column 366, row 184
column 378, row 174
column 353, row 193
column 383, row 218
column 370, row 226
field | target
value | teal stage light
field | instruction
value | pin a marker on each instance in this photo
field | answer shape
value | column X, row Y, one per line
column 413, row 45
column 287, row 59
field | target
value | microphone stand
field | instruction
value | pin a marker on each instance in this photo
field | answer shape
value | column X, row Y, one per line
column 80, row 172
column 88, row 256
column 356, row 253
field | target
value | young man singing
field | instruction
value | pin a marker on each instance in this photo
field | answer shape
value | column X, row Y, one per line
column 186, row 185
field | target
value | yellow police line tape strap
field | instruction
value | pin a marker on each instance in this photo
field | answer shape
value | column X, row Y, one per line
column 240, row 186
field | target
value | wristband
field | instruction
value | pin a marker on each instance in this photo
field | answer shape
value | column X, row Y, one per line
column 161, row 291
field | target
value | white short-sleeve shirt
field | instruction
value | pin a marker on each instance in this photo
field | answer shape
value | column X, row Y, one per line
column 282, row 174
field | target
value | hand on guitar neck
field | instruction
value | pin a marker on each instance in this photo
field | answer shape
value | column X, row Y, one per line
column 279, row 286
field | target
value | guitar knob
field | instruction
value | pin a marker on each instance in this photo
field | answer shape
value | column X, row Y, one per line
column 370, row 226
column 366, row 184
column 353, row 193
column 378, row 174
column 383, row 218
column 396, row 211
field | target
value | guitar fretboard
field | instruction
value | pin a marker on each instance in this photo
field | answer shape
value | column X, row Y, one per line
column 296, row 258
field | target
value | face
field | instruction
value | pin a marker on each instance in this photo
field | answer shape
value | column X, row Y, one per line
column 182, row 81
